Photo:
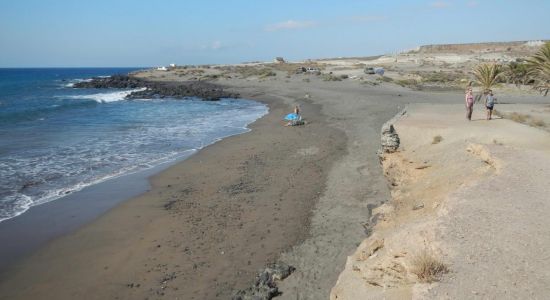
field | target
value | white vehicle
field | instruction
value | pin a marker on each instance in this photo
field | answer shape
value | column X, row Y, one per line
column 312, row 70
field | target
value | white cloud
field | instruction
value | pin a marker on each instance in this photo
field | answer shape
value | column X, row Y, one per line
column 289, row 25
column 439, row 4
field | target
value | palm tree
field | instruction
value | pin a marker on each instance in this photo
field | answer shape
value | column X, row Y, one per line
column 539, row 69
column 487, row 75
column 516, row 73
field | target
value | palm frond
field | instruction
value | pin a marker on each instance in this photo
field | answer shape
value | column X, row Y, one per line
column 516, row 73
column 487, row 75
column 539, row 69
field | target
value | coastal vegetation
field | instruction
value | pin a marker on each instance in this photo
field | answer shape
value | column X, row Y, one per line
column 534, row 71
column 526, row 119
column 539, row 69
column 437, row 139
column 427, row 267
column 411, row 83
column 250, row 71
column 516, row 73
column 331, row 77
column 440, row 77
column 384, row 78
column 487, row 75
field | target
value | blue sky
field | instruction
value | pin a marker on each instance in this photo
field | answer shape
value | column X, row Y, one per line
column 70, row 33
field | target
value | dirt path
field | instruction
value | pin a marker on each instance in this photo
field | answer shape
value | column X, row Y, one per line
column 471, row 194
column 498, row 232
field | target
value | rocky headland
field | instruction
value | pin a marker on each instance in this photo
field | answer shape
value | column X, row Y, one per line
column 158, row 89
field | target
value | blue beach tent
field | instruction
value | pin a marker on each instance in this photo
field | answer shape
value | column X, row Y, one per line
column 292, row 117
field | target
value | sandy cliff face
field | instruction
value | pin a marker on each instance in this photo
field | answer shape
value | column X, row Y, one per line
column 441, row 159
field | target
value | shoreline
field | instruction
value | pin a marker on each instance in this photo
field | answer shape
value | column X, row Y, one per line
column 42, row 223
column 153, row 209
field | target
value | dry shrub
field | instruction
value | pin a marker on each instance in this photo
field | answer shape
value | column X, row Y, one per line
column 291, row 67
column 437, row 139
column 330, row 77
column 384, row 79
column 522, row 118
column 411, row 83
column 210, row 77
column 439, row 77
column 517, row 117
column 537, row 123
column 427, row 267
column 249, row 71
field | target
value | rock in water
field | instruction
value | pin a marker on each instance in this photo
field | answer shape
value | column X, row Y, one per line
column 264, row 287
column 118, row 81
column 159, row 89
column 390, row 139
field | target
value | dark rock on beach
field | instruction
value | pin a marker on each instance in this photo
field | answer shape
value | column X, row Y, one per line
column 389, row 139
column 154, row 89
column 265, row 287
column 200, row 89
column 114, row 82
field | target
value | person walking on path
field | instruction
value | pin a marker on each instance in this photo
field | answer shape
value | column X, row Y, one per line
column 469, row 103
column 489, row 104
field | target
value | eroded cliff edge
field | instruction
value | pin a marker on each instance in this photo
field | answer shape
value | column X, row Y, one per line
column 460, row 191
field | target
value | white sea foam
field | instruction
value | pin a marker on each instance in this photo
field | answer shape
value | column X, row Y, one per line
column 73, row 81
column 69, row 167
column 108, row 97
column 23, row 202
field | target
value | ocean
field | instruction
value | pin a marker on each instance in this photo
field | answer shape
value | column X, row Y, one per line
column 55, row 139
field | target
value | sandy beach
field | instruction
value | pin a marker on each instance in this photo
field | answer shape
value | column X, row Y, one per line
column 302, row 195
column 203, row 229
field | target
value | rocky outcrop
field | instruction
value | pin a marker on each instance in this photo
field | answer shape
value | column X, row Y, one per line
column 113, row 82
column 390, row 138
column 156, row 89
column 265, row 287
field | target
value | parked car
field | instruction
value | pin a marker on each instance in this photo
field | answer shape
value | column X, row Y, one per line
column 369, row 70
column 372, row 70
column 379, row 71
column 312, row 70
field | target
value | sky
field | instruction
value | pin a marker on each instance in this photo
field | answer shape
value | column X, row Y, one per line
column 140, row 33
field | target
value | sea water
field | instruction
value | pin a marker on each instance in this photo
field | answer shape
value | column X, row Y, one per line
column 55, row 139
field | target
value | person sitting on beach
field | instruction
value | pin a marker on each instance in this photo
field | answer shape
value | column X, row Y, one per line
column 469, row 103
column 294, row 118
column 489, row 104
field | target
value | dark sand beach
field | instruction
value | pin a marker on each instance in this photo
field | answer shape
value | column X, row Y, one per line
column 205, row 227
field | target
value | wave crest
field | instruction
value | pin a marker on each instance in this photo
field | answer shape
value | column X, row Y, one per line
column 107, row 97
